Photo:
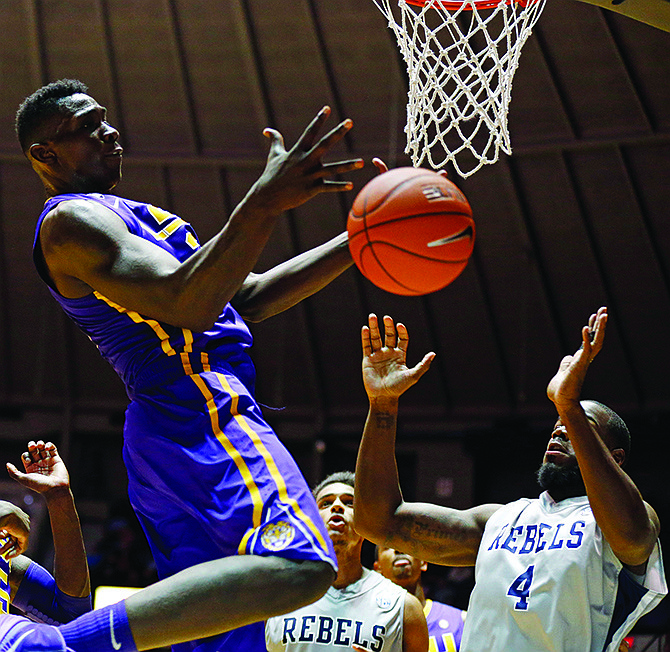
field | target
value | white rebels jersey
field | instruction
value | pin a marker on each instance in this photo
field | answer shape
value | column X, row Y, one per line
column 546, row 580
column 369, row 612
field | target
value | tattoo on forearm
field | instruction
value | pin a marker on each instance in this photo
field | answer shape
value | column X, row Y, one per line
column 385, row 420
column 430, row 532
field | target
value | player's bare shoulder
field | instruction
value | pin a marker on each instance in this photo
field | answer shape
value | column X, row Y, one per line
column 74, row 222
column 76, row 236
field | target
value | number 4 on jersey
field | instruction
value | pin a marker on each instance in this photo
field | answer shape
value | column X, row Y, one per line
column 520, row 588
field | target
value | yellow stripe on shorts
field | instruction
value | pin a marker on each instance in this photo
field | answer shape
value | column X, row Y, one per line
column 269, row 461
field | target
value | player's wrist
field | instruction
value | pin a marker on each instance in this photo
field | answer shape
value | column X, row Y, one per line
column 385, row 404
column 58, row 494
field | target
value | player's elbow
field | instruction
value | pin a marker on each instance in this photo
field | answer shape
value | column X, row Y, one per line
column 368, row 527
column 253, row 313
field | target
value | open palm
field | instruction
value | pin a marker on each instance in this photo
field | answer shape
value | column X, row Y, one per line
column 566, row 385
column 385, row 370
column 44, row 468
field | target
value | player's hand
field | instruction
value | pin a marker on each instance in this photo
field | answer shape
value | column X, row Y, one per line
column 45, row 471
column 566, row 386
column 14, row 530
column 385, row 371
column 292, row 177
column 380, row 165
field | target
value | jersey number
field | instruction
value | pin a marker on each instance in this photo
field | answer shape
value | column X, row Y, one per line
column 520, row 588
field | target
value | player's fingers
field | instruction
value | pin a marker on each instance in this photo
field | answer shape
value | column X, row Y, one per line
column 380, row 165
column 339, row 167
column 332, row 137
column 44, row 452
column 375, row 336
column 334, row 186
column 51, row 448
column 365, row 341
column 403, row 336
column 592, row 320
column 389, row 332
column 13, row 471
column 33, row 451
column 276, row 140
column 308, row 136
column 27, row 459
column 422, row 367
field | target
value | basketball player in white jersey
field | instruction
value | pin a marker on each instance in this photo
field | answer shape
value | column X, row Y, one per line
column 570, row 571
column 362, row 610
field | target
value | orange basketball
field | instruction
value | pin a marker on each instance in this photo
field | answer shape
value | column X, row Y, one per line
column 411, row 231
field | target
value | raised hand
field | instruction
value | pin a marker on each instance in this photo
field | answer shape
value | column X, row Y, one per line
column 14, row 530
column 292, row 177
column 566, row 386
column 44, row 469
column 385, row 371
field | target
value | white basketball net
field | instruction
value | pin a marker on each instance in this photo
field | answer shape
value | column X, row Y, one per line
column 460, row 65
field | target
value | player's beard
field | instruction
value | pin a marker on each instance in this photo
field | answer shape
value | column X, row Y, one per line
column 561, row 481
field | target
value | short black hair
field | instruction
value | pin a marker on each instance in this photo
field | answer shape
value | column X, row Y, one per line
column 616, row 428
column 343, row 477
column 44, row 103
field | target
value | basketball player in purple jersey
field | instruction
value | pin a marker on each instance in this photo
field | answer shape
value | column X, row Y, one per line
column 208, row 478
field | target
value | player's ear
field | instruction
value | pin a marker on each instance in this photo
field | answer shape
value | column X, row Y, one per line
column 375, row 566
column 619, row 456
column 42, row 153
column 424, row 566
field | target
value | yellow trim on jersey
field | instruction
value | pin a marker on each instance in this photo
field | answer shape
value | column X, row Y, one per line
column 160, row 214
column 138, row 319
column 188, row 348
column 269, row 461
column 191, row 241
column 165, row 233
column 231, row 450
column 427, row 607
column 4, row 586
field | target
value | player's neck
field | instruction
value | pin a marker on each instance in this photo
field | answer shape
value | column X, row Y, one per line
column 417, row 591
column 350, row 568
column 347, row 574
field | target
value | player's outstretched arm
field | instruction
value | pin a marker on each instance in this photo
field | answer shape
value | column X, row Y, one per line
column 264, row 295
column 629, row 525
column 430, row 532
column 267, row 294
column 45, row 473
column 88, row 247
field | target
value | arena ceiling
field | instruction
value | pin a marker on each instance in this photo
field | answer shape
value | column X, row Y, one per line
column 575, row 219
